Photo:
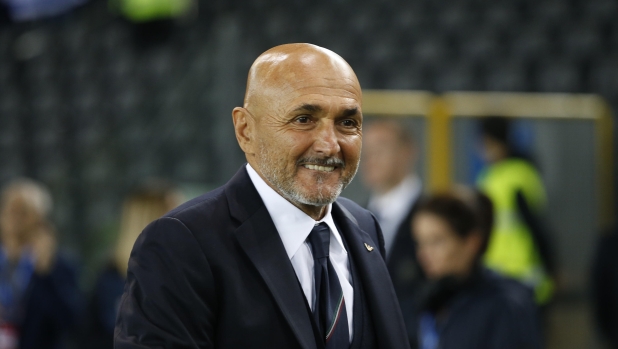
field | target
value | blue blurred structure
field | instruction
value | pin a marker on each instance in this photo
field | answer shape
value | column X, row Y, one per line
column 28, row 10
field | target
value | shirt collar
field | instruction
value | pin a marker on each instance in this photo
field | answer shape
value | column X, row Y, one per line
column 397, row 201
column 292, row 224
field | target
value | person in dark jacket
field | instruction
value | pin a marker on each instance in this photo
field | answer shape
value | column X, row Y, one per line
column 464, row 305
column 390, row 154
column 39, row 295
column 151, row 200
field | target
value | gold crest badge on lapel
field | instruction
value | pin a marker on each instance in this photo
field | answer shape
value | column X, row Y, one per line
column 368, row 247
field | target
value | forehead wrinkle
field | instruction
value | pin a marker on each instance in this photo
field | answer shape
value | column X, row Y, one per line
column 321, row 90
column 347, row 89
column 347, row 84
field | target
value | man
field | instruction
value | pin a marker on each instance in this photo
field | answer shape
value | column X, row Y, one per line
column 389, row 159
column 272, row 259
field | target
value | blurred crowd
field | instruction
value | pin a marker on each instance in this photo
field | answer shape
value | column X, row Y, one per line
column 472, row 266
column 41, row 303
column 39, row 295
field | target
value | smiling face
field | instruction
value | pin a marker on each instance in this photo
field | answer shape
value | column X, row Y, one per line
column 301, row 124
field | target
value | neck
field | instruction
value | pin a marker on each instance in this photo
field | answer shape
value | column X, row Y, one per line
column 315, row 212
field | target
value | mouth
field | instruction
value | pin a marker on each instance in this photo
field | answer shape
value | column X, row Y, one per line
column 324, row 165
column 319, row 168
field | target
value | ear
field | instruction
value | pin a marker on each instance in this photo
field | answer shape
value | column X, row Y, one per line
column 244, row 127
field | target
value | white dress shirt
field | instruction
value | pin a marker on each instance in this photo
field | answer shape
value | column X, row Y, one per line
column 294, row 227
column 392, row 207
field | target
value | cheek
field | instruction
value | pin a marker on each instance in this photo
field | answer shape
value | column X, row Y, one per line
column 464, row 258
column 431, row 255
column 441, row 255
column 452, row 259
column 281, row 147
column 351, row 148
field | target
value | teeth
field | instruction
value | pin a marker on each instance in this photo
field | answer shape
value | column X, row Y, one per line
column 320, row 168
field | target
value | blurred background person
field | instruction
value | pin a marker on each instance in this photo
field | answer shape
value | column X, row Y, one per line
column 464, row 305
column 388, row 168
column 39, row 296
column 145, row 204
column 604, row 280
column 519, row 246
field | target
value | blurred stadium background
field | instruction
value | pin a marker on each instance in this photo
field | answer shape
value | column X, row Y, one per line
column 91, row 102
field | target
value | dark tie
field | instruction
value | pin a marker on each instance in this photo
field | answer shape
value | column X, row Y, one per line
column 329, row 310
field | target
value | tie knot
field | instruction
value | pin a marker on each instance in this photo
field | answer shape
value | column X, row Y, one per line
column 319, row 239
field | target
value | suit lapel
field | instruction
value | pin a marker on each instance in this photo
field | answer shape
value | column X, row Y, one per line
column 375, row 280
column 259, row 238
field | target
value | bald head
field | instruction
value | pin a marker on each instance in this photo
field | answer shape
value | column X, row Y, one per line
column 300, row 126
column 283, row 69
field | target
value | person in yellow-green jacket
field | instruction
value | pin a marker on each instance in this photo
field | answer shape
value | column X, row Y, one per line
column 519, row 247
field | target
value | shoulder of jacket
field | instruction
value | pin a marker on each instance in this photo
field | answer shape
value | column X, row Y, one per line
column 213, row 198
column 353, row 208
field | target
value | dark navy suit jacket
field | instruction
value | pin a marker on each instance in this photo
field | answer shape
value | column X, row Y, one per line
column 213, row 273
column 402, row 262
column 490, row 312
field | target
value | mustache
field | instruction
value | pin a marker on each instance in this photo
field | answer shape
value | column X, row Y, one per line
column 329, row 161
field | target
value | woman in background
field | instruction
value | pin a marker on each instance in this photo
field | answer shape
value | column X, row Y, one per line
column 464, row 305
column 149, row 202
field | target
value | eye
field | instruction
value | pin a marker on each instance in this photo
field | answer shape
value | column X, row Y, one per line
column 303, row 119
column 349, row 123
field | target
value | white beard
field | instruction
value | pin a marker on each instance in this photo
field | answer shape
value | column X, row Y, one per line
column 287, row 187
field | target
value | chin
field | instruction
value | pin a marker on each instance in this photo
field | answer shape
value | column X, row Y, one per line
column 319, row 196
column 318, row 200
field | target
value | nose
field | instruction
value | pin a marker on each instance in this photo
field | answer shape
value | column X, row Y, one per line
column 326, row 140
